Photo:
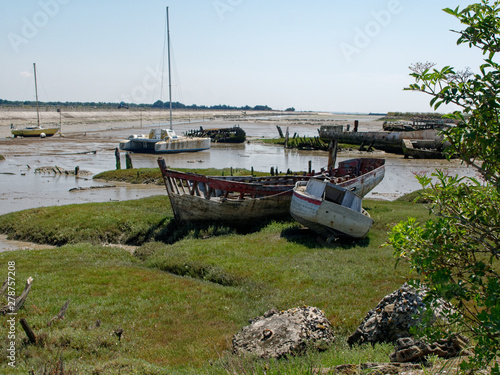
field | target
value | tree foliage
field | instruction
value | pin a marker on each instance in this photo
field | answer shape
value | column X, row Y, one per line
column 456, row 253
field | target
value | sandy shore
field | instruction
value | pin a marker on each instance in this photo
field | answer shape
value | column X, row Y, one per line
column 74, row 121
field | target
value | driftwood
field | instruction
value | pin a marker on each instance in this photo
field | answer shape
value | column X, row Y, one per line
column 19, row 301
column 61, row 313
column 4, row 288
column 91, row 188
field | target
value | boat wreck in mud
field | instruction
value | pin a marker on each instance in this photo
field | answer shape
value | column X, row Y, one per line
column 234, row 134
column 390, row 139
column 424, row 149
column 238, row 201
column 330, row 210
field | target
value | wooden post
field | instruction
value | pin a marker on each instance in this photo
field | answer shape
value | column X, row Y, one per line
column 356, row 123
column 61, row 313
column 310, row 166
column 280, row 132
column 128, row 161
column 117, row 157
column 77, row 169
column 28, row 330
column 252, row 171
column 272, row 171
column 332, row 154
column 287, row 136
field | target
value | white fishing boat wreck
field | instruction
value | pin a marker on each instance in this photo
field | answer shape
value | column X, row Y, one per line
column 329, row 209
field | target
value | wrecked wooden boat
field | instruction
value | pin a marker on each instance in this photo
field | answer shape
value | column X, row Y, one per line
column 238, row 200
column 423, row 149
column 390, row 139
column 329, row 209
column 234, row 134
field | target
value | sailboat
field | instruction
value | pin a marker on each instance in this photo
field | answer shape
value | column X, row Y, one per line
column 165, row 141
column 32, row 130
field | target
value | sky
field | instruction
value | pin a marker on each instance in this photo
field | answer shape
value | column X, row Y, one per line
column 321, row 55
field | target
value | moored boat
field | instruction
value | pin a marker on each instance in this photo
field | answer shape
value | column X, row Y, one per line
column 34, row 130
column 163, row 141
column 329, row 209
column 239, row 200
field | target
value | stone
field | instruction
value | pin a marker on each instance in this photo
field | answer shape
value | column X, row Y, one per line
column 279, row 334
column 412, row 350
column 392, row 318
column 371, row 368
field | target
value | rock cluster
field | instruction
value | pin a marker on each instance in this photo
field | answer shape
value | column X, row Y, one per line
column 278, row 334
column 392, row 318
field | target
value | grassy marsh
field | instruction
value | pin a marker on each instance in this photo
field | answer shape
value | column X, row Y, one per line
column 186, row 291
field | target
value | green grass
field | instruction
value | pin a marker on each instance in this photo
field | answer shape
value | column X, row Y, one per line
column 179, row 304
column 153, row 175
column 311, row 140
column 131, row 222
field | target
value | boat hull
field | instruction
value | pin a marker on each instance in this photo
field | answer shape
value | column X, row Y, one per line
column 238, row 200
column 327, row 219
column 423, row 149
column 390, row 141
column 152, row 146
column 34, row 132
column 240, row 213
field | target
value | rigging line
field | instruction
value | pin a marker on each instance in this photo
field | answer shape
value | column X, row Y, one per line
column 41, row 83
column 29, row 85
column 176, row 79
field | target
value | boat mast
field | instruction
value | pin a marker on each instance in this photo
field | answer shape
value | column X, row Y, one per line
column 36, row 95
column 169, row 78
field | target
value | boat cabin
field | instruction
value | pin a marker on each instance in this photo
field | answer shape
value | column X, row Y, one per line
column 334, row 193
column 163, row 134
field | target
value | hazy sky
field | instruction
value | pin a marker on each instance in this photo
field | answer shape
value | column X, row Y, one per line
column 328, row 55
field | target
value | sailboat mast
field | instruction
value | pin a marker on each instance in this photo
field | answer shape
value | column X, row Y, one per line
column 36, row 95
column 169, row 76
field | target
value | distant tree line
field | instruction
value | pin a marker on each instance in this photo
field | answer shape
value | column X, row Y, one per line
column 156, row 105
column 177, row 105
